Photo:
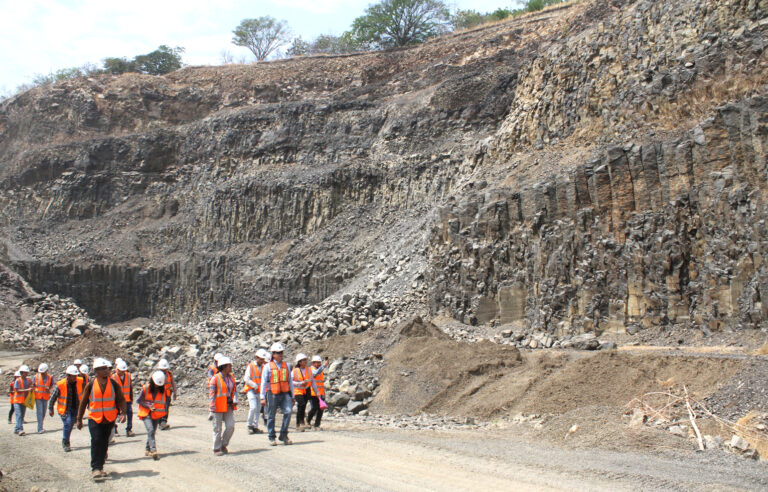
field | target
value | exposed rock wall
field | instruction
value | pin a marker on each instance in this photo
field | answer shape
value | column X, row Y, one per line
column 218, row 187
column 667, row 231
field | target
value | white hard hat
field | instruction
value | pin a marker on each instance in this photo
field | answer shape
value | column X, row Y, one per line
column 118, row 361
column 99, row 362
column 84, row 369
column 42, row 367
column 262, row 354
column 77, row 362
column 159, row 378
column 217, row 356
column 276, row 347
column 317, row 358
column 122, row 365
column 24, row 368
column 163, row 364
column 300, row 357
column 72, row 370
column 17, row 374
column 223, row 361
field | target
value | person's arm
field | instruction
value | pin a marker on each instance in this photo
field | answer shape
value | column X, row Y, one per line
column 290, row 380
column 264, row 382
column 141, row 400
column 119, row 397
column 18, row 387
column 248, row 378
column 84, row 403
column 318, row 370
column 52, row 401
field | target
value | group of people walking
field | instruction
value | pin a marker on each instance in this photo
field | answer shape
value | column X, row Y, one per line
column 107, row 397
column 270, row 385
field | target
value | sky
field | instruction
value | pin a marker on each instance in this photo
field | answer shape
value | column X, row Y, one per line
column 42, row 36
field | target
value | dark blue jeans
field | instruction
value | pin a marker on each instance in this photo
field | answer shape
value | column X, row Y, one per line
column 68, row 421
column 285, row 404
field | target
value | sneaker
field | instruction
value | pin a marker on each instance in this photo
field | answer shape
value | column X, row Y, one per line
column 155, row 456
column 272, row 442
column 64, row 446
column 224, row 450
column 251, row 430
column 165, row 427
column 217, row 452
column 287, row 441
column 97, row 476
column 104, row 474
column 21, row 433
column 41, row 431
column 210, row 416
column 316, row 428
column 129, row 434
column 256, row 430
column 147, row 452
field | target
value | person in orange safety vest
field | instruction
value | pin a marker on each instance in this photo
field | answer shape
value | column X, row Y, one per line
column 153, row 401
column 222, row 394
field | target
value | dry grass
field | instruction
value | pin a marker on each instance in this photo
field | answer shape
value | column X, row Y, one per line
column 747, row 429
column 696, row 103
column 762, row 350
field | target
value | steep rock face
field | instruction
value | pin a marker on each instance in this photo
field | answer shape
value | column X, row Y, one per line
column 238, row 185
column 669, row 231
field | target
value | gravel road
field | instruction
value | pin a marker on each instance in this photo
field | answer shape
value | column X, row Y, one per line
column 342, row 458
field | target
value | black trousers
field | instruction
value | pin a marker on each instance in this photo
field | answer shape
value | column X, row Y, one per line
column 164, row 420
column 100, row 434
column 314, row 410
column 10, row 414
column 301, row 408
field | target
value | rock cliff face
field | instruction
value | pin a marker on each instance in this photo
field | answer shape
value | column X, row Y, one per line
column 600, row 165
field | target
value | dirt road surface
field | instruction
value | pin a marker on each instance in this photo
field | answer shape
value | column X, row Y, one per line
column 343, row 458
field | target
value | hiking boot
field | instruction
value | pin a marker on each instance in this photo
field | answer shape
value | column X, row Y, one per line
column 41, row 431
column 256, row 430
column 251, row 430
column 224, row 450
column 155, row 456
column 129, row 434
column 217, row 452
column 287, row 441
column 96, row 476
column 65, row 446
column 272, row 442
column 300, row 428
column 20, row 433
column 147, row 453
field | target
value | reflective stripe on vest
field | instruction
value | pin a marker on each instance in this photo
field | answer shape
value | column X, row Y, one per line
column 255, row 371
column 125, row 384
column 320, row 383
column 102, row 405
column 303, row 377
column 168, row 382
column 220, row 397
column 61, row 401
column 278, row 382
column 158, row 400
column 20, row 384
column 11, row 392
column 42, row 386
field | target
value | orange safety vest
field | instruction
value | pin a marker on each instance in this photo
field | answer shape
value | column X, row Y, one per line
column 125, row 384
column 303, row 377
column 43, row 386
column 278, row 381
column 61, row 401
column 320, row 383
column 84, row 378
column 10, row 391
column 168, row 383
column 221, row 395
column 158, row 400
column 255, row 376
column 20, row 383
column 102, row 405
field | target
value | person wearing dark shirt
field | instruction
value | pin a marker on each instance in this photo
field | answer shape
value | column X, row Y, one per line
column 66, row 400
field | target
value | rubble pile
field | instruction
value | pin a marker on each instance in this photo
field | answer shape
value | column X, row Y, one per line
column 239, row 332
column 55, row 321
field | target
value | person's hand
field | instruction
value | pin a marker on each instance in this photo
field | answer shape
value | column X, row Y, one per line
column 79, row 424
column 263, row 402
column 121, row 419
column 293, row 401
column 51, row 412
